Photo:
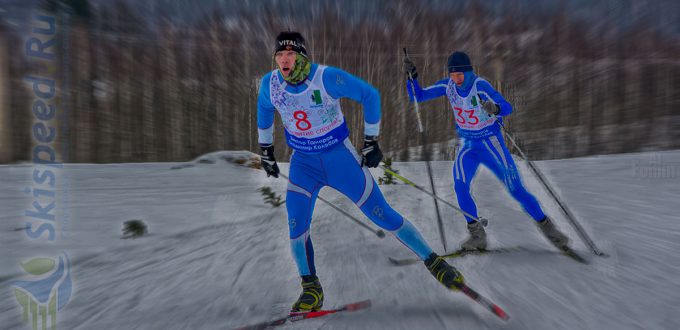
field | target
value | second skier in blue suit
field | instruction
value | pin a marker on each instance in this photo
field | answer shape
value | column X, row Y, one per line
column 478, row 110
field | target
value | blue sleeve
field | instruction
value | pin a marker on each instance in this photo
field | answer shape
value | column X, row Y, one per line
column 428, row 93
column 339, row 83
column 486, row 91
column 265, row 113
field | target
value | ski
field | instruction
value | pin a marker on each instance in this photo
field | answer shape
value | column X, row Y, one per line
column 295, row 317
column 486, row 303
column 457, row 254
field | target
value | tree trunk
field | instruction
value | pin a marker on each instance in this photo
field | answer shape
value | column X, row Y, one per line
column 5, row 118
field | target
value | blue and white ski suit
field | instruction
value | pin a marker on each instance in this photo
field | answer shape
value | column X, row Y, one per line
column 323, row 155
column 480, row 140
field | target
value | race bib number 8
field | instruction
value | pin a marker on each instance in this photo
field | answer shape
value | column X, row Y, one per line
column 301, row 121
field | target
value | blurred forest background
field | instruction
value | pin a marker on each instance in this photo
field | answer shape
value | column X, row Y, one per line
column 149, row 81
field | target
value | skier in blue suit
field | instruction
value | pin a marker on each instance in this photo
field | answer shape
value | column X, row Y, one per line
column 306, row 95
column 478, row 110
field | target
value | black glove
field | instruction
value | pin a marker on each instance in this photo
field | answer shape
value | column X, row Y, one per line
column 410, row 67
column 372, row 156
column 268, row 161
column 491, row 108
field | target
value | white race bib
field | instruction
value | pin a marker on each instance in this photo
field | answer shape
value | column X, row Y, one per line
column 312, row 118
column 468, row 111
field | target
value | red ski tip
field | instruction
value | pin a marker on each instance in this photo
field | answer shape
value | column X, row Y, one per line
column 500, row 312
column 358, row 306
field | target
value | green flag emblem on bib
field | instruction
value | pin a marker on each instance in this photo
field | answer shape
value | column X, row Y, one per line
column 316, row 97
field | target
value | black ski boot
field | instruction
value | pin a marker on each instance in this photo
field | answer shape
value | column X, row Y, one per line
column 554, row 235
column 446, row 274
column 311, row 298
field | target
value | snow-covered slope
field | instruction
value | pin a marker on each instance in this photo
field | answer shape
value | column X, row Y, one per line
column 217, row 257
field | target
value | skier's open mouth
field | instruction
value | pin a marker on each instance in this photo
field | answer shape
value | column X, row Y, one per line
column 285, row 69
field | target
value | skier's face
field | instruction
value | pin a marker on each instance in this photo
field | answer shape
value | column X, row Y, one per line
column 458, row 78
column 285, row 59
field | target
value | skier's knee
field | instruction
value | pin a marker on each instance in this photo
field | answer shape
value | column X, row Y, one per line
column 382, row 214
column 385, row 217
column 519, row 192
column 516, row 192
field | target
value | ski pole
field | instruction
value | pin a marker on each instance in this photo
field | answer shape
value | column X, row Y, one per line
column 415, row 100
column 412, row 184
column 379, row 232
column 440, row 224
column 563, row 206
